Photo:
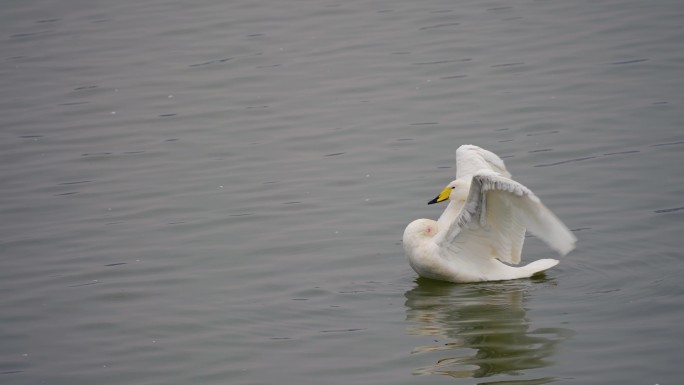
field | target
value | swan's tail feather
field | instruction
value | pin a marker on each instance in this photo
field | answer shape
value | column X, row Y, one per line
column 540, row 265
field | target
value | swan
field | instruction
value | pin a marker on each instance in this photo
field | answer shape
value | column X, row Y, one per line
column 480, row 234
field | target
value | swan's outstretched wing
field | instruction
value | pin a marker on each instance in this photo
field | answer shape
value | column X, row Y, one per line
column 471, row 159
column 493, row 221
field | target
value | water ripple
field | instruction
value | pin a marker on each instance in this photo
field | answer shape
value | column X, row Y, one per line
column 440, row 26
column 628, row 62
column 667, row 144
column 669, row 210
column 565, row 161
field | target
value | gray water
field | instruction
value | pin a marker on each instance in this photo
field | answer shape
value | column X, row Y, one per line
column 209, row 192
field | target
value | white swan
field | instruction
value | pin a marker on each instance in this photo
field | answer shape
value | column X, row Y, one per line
column 483, row 226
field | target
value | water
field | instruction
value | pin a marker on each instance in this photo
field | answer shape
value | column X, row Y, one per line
column 214, row 192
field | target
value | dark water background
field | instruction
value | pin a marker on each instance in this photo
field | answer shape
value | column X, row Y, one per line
column 209, row 192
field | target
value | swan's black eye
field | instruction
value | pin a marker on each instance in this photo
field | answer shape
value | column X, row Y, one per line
column 453, row 187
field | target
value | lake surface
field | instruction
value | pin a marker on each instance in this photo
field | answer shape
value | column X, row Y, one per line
column 209, row 192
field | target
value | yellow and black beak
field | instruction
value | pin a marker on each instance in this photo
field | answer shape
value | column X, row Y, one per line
column 444, row 195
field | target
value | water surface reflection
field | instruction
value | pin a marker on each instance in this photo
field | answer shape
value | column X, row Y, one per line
column 481, row 330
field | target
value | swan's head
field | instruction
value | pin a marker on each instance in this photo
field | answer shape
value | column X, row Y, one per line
column 457, row 190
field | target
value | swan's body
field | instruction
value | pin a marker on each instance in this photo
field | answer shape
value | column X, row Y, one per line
column 483, row 226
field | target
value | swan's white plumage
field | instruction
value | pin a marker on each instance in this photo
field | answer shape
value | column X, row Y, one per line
column 483, row 226
column 472, row 159
column 469, row 161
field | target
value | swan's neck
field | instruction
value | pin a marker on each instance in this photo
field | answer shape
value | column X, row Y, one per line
column 457, row 200
column 450, row 213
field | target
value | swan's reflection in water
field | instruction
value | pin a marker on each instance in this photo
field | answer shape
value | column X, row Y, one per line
column 480, row 330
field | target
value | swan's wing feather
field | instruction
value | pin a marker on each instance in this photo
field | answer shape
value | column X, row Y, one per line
column 471, row 159
column 494, row 218
column 544, row 224
column 504, row 225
